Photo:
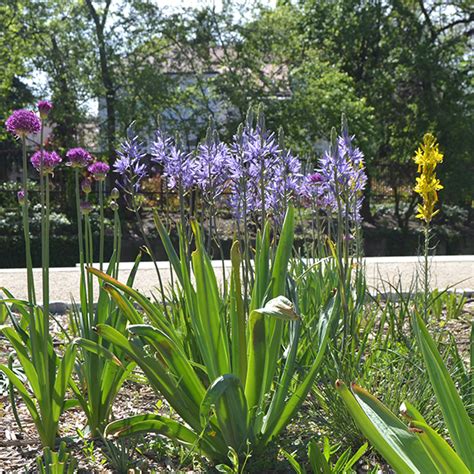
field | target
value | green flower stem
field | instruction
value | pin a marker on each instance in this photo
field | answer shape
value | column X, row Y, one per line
column 26, row 228
column 426, row 271
column 45, row 251
column 43, row 221
column 152, row 255
column 79, row 221
column 102, row 226
column 117, row 240
column 89, row 259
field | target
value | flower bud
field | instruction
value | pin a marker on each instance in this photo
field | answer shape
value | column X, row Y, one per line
column 114, row 206
column 86, row 185
column 44, row 108
column 114, row 194
column 86, row 207
column 21, row 197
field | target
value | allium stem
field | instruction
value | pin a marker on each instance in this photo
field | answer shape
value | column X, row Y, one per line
column 43, row 222
column 102, row 226
column 46, row 257
column 26, row 228
column 79, row 220
column 89, row 250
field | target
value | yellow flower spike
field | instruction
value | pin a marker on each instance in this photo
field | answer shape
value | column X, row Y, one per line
column 427, row 186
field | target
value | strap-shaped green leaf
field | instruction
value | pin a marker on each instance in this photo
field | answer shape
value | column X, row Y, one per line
column 168, row 245
column 294, row 402
column 227, row 397
column 390, row 437
column 63, row 374
column 151, row 310
column 97, row 349
column 24, row 358
column 454, row 412
column 318, row 462
column 151, row 423
column 174, row 357
column 165, row 426
column 157, row 374
column 237, row 317
column 441, row 453
column 30, row 404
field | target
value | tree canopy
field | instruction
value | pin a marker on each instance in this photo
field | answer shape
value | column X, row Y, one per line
column 396, row 68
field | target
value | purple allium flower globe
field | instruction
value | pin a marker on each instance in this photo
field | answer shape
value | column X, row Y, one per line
column 22, row 122
column 50, row 160
column 78, row 158
column 98, row 170
column 44, row 108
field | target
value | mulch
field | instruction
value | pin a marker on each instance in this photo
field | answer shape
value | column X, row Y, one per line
column 19, row 448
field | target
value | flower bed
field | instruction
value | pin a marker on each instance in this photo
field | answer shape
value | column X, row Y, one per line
column 271, row 351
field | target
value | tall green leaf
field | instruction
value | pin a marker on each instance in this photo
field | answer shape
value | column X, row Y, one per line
column 455, row 414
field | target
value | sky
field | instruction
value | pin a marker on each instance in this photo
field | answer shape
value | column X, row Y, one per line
column 176, row 4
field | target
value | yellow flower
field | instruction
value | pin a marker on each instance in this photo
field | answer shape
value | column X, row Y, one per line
column 428, row 153
column 427, row 185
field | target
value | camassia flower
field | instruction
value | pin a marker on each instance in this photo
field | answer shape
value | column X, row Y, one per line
column 130, row 164
column 177, row 164
column 342, row 178
column 427, row 186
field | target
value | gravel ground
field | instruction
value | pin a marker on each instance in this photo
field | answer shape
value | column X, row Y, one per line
column 20, row 447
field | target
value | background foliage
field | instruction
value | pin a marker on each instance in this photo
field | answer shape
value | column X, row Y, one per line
column 397, row 68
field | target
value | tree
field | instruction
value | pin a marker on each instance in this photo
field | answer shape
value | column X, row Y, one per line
column 409, row 60
column 99, row 18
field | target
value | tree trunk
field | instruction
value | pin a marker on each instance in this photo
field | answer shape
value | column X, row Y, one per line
column 106, row 73
column 365, row 211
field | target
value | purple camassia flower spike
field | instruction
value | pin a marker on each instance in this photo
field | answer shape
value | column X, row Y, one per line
column 22, row 122
column 287, row 183
column 254, row 157
column 130, row 164
column 99, row 170
column 211, row 168
column 44, row 108
column 177, row 164
column 78, row 158
column 50, row 160
column 344, row 177
column 258, row 161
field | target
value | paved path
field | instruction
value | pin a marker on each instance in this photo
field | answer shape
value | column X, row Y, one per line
column 456, row 272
